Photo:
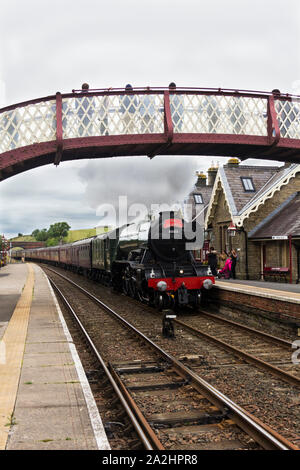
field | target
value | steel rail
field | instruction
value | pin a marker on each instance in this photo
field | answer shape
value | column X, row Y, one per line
column 267, row 336
column 261, row 433
column 291, row 379
column 149, row 441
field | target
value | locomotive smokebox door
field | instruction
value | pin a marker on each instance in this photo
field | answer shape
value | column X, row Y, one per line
column 168, row 327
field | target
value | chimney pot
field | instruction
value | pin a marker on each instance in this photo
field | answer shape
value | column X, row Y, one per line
column 201, row 179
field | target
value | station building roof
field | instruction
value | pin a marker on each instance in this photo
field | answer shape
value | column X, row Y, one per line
column 283, row 221
column 247, row 187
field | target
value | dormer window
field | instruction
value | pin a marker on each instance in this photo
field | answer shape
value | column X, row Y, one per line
column 198, row 199
column 248, row 184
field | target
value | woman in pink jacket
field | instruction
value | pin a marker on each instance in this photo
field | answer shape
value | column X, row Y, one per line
column 226, row 270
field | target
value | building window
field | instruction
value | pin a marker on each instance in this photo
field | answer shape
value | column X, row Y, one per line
column 248, row 184
column 198, row 199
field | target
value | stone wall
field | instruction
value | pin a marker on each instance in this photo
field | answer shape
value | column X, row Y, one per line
column 273, row 309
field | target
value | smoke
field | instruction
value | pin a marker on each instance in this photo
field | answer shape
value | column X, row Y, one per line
column 162, row 180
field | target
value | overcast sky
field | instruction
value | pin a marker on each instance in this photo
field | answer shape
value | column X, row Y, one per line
column 48, row 46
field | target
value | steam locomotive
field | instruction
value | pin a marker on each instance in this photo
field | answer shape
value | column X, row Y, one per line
column 146, row 260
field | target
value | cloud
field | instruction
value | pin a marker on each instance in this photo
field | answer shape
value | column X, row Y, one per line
column 54, row 46
column 39, row 197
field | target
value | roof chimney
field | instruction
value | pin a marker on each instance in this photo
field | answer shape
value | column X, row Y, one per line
column 212, row 173
column 233, row 163
column 201, row 181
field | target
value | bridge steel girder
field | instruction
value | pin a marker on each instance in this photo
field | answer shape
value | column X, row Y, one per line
column 210, row 122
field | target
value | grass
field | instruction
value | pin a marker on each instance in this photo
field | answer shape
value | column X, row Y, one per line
column 24, row 238
column 11, row 420
column 73, row 235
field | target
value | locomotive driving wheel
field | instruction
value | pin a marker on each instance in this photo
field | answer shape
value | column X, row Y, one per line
column 132, row 290
column 129, row 284
column 125, row 281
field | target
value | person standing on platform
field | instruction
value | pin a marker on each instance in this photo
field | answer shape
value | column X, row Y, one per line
column 234, row 258
column 226, row 271
column 222, row 258
column 213, row 261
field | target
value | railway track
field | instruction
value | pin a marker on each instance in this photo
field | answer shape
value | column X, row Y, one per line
column 268, row 352
column 167, row 402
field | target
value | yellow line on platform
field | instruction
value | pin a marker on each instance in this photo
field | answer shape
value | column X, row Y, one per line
column 11, row 357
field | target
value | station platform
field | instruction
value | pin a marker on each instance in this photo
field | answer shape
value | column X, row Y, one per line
column 275, row 290
column 10, row 291
column 45, row 399
column 274, row 300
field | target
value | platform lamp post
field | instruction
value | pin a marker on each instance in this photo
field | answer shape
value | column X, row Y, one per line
column 232, row 230
column 3, row 249
column 290, row 259
column 6, row 249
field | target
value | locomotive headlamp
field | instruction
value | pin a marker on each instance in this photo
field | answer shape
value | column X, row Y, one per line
column 161, row 286
column 207, row 284
column 181, row 271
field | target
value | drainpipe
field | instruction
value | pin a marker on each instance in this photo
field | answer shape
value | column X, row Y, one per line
column 298, row 265
column 246, row 250
column 291, row 265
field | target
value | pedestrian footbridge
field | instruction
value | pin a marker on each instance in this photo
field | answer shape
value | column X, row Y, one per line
column 149, row 121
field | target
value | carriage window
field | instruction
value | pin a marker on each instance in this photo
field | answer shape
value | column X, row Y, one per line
column 248, row 184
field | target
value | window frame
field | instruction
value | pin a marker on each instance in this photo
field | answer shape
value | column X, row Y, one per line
column 248, row 178
column 198, row 195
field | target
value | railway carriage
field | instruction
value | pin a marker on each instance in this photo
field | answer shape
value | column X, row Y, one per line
column 81, row 255
column 105, row 249
column 65, row 258
column 54, row 254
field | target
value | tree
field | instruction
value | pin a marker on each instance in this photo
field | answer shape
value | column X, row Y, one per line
column 35, row 233
column 58, row 230
column 20, row 234
column 52, row 242
column 42, row 235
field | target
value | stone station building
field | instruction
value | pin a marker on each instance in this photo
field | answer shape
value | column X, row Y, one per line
column 256, row 210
